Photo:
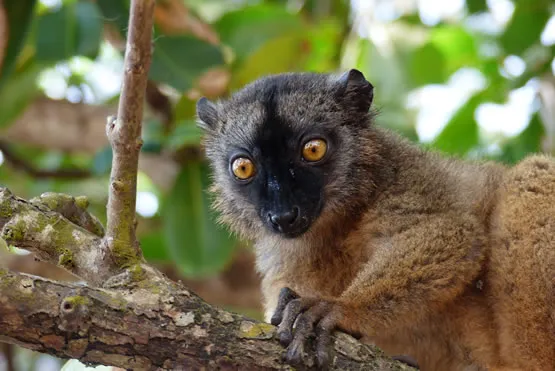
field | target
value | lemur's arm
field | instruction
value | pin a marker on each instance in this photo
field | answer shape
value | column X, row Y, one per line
column 412, row 273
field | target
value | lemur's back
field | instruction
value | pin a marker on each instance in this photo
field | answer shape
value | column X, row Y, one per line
column 522, row 268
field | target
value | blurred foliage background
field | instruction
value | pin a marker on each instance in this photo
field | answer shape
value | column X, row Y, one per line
column 471, row 78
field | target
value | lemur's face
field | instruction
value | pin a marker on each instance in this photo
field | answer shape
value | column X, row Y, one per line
column 282, row 171
column 281, row 149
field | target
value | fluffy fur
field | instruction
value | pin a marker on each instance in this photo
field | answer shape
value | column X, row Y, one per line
column 448, row 261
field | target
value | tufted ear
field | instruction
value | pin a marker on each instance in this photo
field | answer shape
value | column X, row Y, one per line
column 355, row 91
column 207, row 114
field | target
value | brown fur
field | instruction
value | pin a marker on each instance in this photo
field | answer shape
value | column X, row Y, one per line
column 448, row 261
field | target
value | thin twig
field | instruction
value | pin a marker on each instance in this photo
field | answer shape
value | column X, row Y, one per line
column 20, row 164
column 124, row 134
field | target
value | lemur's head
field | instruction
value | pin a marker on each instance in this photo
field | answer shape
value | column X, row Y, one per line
column 289, row 149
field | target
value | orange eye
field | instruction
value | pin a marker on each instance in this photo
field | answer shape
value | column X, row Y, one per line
column 314, row 150
column 242, row 168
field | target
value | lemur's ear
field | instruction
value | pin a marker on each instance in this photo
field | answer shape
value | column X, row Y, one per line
column 207, row 114
column 355, row 90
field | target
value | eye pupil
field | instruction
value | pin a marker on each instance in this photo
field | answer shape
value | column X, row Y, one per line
column 314, row 150
column 242, row 168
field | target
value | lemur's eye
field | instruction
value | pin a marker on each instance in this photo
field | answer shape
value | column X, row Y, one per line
column 242, row 168
column 314, row 150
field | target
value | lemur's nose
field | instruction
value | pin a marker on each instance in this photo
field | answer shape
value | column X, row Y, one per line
column 284, row 220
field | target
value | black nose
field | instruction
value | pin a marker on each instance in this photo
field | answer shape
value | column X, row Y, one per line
column 283, row 221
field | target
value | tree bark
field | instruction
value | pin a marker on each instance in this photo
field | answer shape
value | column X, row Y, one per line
column 136, row 318
column 124, row 134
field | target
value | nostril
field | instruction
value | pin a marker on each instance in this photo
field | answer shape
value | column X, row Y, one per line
column 296, row 212
column 274, row 219
column 284, row 220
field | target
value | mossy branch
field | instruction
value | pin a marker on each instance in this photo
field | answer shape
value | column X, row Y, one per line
column 142, row 330
column 52, row 236
column 137, row 318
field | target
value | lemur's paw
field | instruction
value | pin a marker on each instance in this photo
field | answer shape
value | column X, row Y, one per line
column 313, row 320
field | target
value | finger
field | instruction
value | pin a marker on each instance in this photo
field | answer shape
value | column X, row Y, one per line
column 303, row 330
column 324, row 331
column 285, row 296
column 290, row 314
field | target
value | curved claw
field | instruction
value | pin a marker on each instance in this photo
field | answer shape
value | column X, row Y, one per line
column 324, row 331
column 285, row 296
column 304, row 330
column 311, row 318
column 293, row 309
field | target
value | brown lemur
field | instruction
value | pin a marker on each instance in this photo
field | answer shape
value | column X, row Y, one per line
column 451, row 262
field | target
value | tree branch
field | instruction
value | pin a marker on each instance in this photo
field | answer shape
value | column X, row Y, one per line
column 19, row 164
column 124, row 134
column 138, row 319
column 52, row 237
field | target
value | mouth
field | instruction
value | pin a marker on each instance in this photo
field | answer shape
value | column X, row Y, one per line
column 294, row 233
column 290, row 232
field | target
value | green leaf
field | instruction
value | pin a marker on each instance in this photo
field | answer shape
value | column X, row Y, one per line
column 318, row 9
column 412, row 19
column 179, row 60
column 324, row 46
column 427, row 66
column 116, row 12
column 73, row 29
column 476, row 6
column 102, row 161
column 186, row 133
column 266, row 61
column 247, row 29
column 385, row 70
column 17, row 91
column 185, row 109
column 197, row 244
column 55, row 38
column 529, row 141
column 19, row 14
column 457, row 46
column 89, row 29
column 154, row 247
column 498, row 87
column 461, row 133
column 389, row 74
column 524, row 28
column 153, row 136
